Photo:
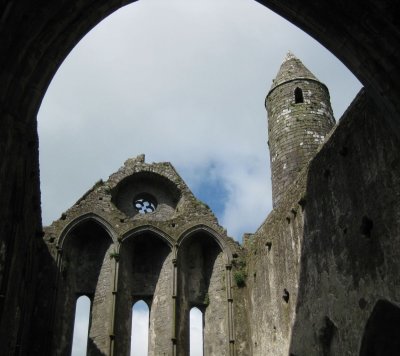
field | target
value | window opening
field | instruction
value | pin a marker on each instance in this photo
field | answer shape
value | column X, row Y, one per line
column 145, row 203
column 298, row 96
column 140, row 329
column 196, row 332
column 81, row 326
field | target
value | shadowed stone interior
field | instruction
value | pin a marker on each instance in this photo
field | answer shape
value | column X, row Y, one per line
column 332, row 242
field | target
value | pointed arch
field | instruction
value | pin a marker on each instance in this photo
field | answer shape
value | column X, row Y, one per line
column 86, row 218
column 203, row 281
column 84, row 269
column 145, row 273
column 150, row 229
column 209, row 231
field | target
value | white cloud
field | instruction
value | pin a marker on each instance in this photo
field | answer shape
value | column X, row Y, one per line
column 247, row 204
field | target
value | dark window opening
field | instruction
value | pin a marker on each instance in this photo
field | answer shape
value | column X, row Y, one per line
column 298, row 96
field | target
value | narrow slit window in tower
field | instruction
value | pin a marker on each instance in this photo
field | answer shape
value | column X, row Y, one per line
column 196, row 332
column 140, row 329
column 298, row 96
column 81, row 326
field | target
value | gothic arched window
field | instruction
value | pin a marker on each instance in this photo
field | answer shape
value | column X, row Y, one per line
column 298, row 96
column 81, row 326
column 140, row 329
column 196, row 332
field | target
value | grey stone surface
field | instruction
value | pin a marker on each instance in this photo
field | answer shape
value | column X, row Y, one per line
column 173, row 258
column 295, row 129
column 323, row 258
column 347, row 260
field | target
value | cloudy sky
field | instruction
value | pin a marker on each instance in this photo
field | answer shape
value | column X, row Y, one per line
column 181, row 81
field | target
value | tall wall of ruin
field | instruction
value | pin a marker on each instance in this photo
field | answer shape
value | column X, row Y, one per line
column 351, row 235
column 174, row 258
column 339, row 256
column 273, row 255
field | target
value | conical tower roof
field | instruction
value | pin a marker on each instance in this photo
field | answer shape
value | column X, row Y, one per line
column 292, row 68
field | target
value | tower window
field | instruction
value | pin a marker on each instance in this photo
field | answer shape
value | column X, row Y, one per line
column 298, row 96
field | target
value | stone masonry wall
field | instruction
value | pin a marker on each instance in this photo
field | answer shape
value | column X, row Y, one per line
column 202, row 284
column 351, row 251
column 174, row 258
column 216, row 335
column 339, row 256
column 273, row 255
column 145, row 270
column 161, row 313
column 84, row 271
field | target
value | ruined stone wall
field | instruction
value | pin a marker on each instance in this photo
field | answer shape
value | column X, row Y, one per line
column 295, row 130
column 145, row 273
column 202, row 284
column 86, row 269
column 337, row 257
column 351, row 251
column 20, row 231
column 174, row 258
column 161, row 313
column 273, row 255
column 216, row 334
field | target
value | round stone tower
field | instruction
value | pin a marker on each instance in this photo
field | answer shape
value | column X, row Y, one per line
column 299, row 118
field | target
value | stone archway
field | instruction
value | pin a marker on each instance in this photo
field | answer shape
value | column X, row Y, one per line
column 145, row 273
column 35, row 37
column 201, row 283
column 84, row 269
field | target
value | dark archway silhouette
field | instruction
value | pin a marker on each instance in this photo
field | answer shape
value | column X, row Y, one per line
column 381, row 334
column 83, row 267
column 144, row 273
column 35, row 37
